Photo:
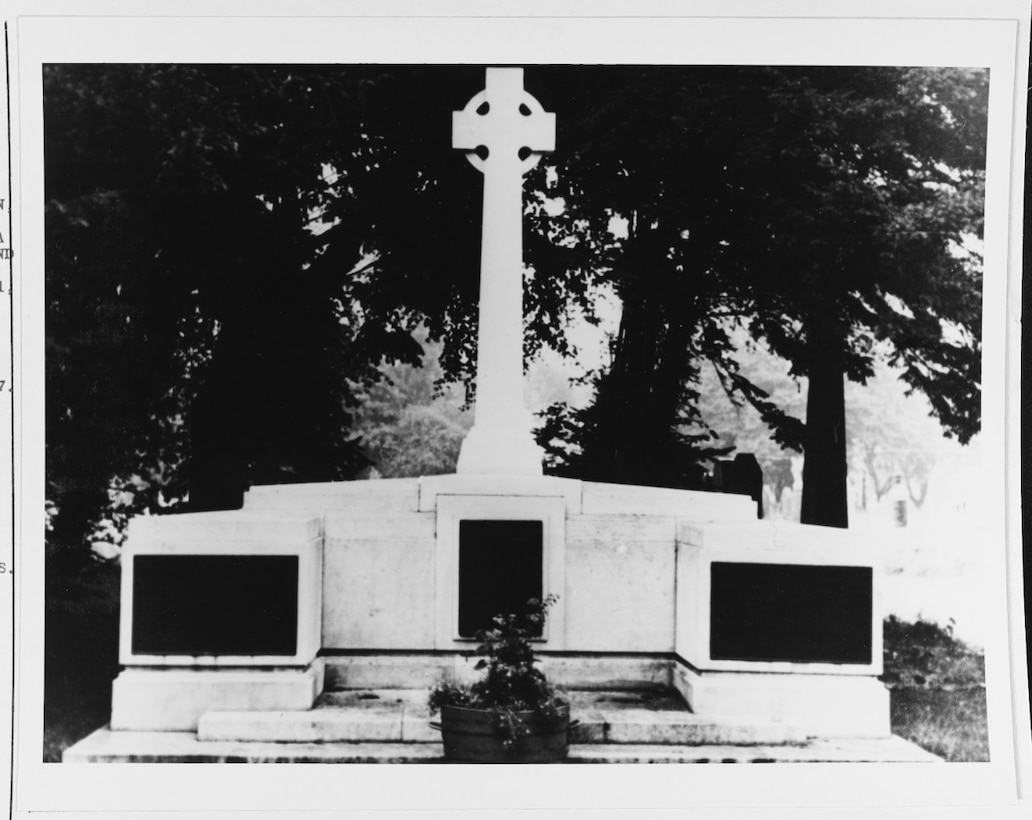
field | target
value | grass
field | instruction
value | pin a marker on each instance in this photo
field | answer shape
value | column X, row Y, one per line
column 937, row 690
column 936, row 682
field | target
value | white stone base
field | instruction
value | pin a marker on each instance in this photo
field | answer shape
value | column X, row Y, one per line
column 175, row 699
column 499, row 451
column 825, row 705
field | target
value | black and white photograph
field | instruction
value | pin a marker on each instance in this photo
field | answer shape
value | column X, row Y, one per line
column 623, row 389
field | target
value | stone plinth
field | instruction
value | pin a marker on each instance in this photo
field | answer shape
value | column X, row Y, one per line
column 781, row 621
column 633, row 567
column 176, row 699
column 822, row 705
column 770, row 553
column 383, row 496
column 219, row 610
column 167, row 558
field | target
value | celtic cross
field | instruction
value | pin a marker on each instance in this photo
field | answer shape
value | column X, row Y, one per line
column 503, row 130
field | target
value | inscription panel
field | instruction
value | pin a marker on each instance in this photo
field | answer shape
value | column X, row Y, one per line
column 203, row 605
column 500, row 569
column 790, row 612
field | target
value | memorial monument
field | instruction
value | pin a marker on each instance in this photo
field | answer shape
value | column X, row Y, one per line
column 324, row 612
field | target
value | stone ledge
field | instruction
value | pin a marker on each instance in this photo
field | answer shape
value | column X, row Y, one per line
column 401, row 716
column 656, row 717
column 693, row 505
column 770, row 536
column 105, row 746
column 386, row 494
column 846, row 750
column 214, row 530
column 430, row 487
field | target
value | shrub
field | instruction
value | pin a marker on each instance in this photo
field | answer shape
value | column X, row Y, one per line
column 512, row 683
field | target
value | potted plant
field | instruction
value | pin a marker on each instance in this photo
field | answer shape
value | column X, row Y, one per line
column 512, row 714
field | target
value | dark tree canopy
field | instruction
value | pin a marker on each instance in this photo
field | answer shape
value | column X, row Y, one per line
column 185, row 277
column 825, row 209
column 231, row 250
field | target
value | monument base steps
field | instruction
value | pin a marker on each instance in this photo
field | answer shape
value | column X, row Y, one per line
column 653, row 717
column 639, row 725
column 828, row 705
column 105, row 746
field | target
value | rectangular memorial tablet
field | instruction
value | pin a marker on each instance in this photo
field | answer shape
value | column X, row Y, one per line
column 202, row 605
column 500, row 569
column 790, row 612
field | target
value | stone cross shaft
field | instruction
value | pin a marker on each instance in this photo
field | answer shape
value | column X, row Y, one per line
column 506, row 121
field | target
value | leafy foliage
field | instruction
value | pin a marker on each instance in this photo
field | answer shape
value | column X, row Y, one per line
column 233, row 252
column 926, row 654
column 824, row 209
column 937, row 689
column 411, row 422
column 511, row 683
column 890, row 431
column 178, row 288
column 224, row 264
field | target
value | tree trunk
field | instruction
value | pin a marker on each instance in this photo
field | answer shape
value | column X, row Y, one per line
column 824, row 465
column 620, row 449
column 634, row 440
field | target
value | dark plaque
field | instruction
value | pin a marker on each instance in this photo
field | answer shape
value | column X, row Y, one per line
column 500, row 569
column 215, row 604
column 790, row 612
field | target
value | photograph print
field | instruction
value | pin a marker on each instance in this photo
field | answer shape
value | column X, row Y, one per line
column 610, row 389
column 590, row 413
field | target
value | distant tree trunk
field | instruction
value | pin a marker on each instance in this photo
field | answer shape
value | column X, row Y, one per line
column 919, row 497
column 824, row 464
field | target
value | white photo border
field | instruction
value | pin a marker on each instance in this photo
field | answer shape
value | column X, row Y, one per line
column 989, row 33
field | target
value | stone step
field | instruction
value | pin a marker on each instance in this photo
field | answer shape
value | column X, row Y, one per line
column 401, row 716
column 890, row 749
column 566, row 669
column 106, row 746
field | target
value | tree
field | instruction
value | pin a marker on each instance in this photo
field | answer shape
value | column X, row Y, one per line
column 232, row 251
column 177, row 247
column 826, row 209
column 875, row 254
column 411, row 423
column 647, row 208
column 891, row 431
